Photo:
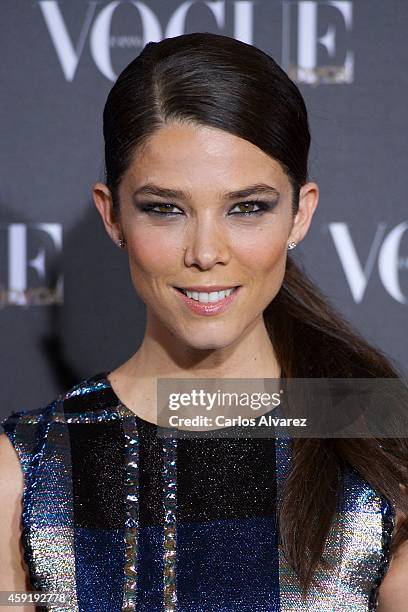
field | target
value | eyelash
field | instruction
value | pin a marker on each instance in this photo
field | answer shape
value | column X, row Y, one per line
column 263, row 206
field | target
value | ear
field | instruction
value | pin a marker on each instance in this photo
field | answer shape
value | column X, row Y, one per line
column 308, row 199
column 103, row 201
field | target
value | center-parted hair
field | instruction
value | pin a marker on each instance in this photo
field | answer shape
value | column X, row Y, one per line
column 220, row 82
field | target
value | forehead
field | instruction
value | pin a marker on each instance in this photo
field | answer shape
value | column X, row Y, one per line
column 203, row 157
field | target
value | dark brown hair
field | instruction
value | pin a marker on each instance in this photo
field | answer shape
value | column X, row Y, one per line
column 221, row 82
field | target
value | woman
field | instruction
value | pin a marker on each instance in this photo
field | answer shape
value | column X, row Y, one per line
column 206, row 148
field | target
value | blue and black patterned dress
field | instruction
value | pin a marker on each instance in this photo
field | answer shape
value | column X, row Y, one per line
column 118, row 518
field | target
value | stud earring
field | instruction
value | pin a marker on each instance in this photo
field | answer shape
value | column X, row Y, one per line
column 291, row 245
column 121, row 243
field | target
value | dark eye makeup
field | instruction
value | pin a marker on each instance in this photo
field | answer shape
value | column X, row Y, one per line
column 263, row 206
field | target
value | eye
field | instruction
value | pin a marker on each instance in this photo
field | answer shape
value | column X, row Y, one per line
column 150, row 208
column 262, row 206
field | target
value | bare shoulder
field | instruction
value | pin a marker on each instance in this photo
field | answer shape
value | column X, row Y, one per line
column 393, row 592
column 8, row 455
column 12, row 571
column 11, row 475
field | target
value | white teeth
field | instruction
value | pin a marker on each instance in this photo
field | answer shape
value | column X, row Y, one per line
column 214, row 296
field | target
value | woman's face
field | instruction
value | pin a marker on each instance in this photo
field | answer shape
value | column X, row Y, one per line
column 205, row 240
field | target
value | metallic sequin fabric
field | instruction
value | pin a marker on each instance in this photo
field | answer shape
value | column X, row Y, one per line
column 120, row 519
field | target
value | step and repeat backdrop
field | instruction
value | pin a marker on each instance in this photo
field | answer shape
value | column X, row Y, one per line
column 67, row 306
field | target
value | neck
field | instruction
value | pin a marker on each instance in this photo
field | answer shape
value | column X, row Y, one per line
column 163, row 355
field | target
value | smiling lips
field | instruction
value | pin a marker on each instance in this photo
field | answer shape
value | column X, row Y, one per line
column 208, row 300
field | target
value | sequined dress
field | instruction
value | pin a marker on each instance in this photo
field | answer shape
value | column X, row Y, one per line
column 117, row 518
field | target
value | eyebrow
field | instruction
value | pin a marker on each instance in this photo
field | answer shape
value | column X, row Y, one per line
column 155, row 190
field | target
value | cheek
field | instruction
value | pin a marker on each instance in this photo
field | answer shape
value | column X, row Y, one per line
column 153, row 252
column 263, row 251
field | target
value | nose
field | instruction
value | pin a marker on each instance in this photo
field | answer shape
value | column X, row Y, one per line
column 206, row 245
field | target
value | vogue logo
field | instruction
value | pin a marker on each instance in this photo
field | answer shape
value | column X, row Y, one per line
column 306, row 16
column 384, row 251
column 300, row 21
column 31, row 280
column 98, row 28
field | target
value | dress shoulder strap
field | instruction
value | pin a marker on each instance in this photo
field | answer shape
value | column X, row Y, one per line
column 27, row 431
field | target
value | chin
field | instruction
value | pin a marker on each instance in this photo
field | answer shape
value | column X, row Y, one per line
column 209, row 341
